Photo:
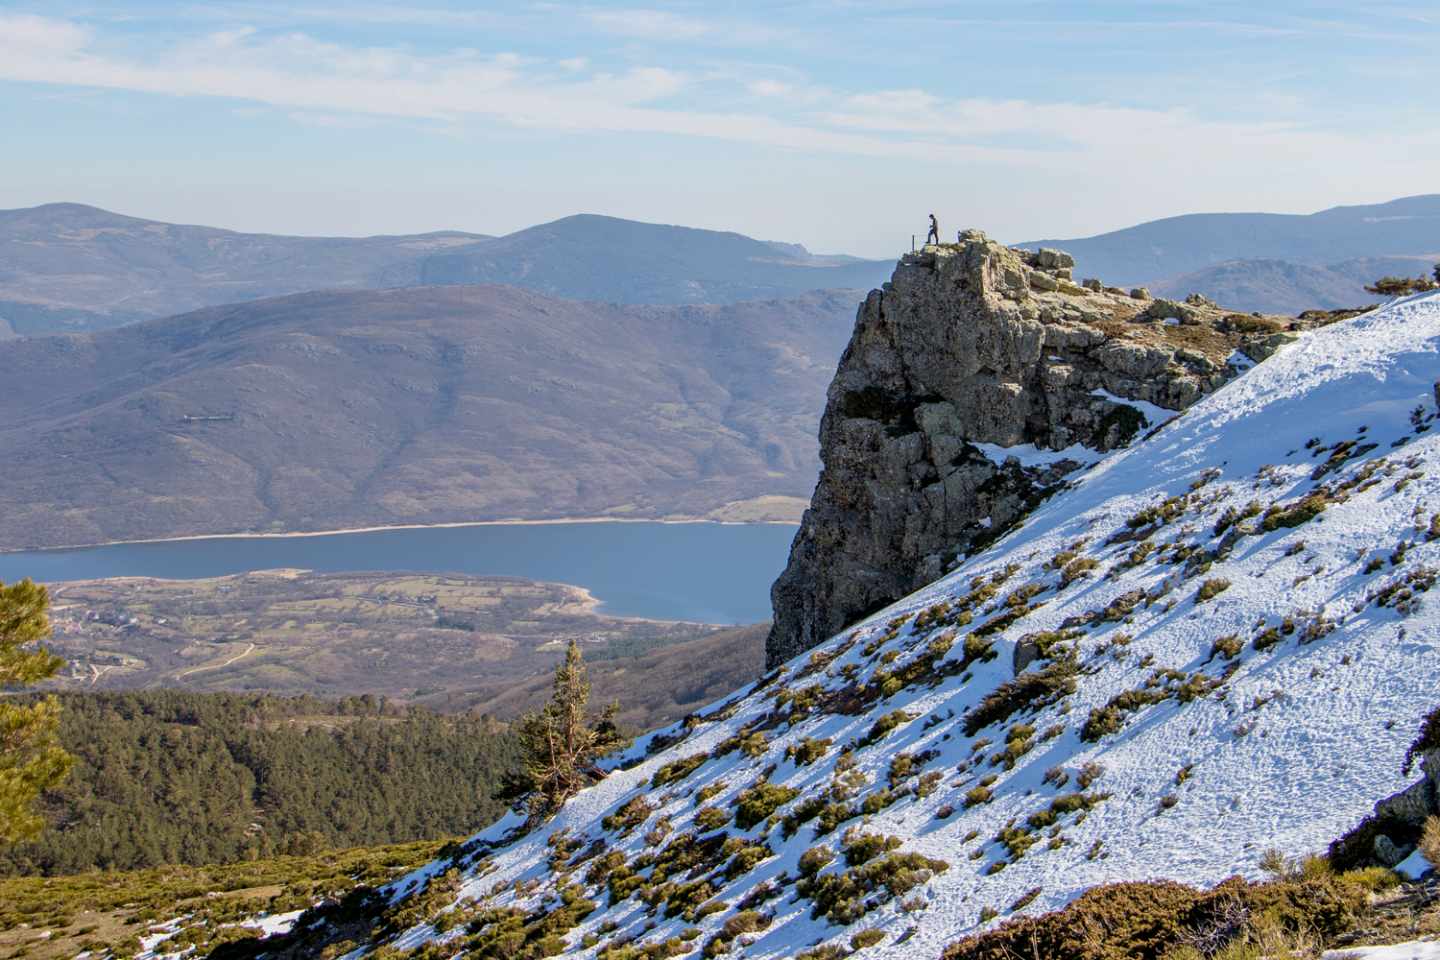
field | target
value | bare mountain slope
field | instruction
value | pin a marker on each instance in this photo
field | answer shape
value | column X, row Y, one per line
column 603, row 258
column 1218, row 641
column 331, row 410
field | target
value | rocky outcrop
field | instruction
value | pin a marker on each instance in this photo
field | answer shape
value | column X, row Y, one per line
column 973, row 344
column 1390, row 833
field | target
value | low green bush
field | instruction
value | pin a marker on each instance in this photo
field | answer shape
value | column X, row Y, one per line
column 755, row 804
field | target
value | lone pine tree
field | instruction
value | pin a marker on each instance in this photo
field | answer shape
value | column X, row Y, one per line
column 31, row 759
column 559, row 742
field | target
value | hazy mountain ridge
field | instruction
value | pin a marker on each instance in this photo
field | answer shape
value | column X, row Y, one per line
column 1218, row 641
column 1285, row 287
column 70, row 266
column 421, row 405
column 1265, row 261
column 67, row 266
column 1183, row 244
column 589, row 257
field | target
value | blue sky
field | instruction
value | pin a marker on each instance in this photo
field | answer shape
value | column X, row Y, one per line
column 835, row 123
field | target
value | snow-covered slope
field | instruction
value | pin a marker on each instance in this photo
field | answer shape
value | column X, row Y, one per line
column 1224, row 647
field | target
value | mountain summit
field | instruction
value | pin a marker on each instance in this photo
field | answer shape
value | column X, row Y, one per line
column 1214, row 642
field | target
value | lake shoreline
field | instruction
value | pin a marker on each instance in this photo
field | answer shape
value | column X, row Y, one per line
column 457, row 524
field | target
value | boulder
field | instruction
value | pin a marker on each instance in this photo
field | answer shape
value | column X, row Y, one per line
column 1172, row 310
column 1043, row 281
column 1047, row 259
column 1263, row 348
column 1388, row 853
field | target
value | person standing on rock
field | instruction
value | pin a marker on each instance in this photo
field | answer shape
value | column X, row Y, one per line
column 934, row 235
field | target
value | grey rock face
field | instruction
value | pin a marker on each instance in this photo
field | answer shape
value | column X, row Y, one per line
column 1388, row 853
column 1401, row 814
column 970, row 343
column 1419, row 800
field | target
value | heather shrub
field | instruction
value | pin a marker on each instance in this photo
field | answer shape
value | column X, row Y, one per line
column 866, row 938
column 761, row 800
column 1031, row 690
column 1211, row 588
column 1155, row 919
column 677, row 770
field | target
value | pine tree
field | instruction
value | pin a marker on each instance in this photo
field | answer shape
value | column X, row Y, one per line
column 31, row 759
column 559, row 743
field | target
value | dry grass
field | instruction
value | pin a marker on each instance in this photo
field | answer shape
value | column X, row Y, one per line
column 1430, row 841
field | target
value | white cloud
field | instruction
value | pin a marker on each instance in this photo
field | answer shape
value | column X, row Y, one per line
column 1108, row 156
column 768, row 88
column 650, row 24
column 42, row 36
column 298, row 72
column 642, row 23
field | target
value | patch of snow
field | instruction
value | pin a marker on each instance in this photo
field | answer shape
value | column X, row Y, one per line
column 272, row 924
column 1154, row 415
column 1414, row 866
column 1239, row 361
column 159, row 933
column 1414, row 950
column 1030, row 455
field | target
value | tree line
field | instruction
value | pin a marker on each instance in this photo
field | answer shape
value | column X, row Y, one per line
column 164, row 777
column 122, row 781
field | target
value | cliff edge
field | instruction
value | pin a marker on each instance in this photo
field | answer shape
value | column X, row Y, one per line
column 970, row 349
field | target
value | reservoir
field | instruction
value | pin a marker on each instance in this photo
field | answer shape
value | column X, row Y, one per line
column 707, row 572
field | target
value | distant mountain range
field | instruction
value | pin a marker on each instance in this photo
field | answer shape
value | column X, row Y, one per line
column 1267, row 261
column 431, row 404
column 1283, row 286
column 70, row 267
column 602, row 258
column 66, row 266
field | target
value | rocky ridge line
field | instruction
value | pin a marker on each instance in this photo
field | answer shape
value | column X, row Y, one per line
column 977, row 343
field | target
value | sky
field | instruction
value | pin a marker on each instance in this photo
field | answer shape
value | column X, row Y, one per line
column 835, row 123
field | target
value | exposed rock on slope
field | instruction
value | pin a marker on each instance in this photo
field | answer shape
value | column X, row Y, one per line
column 1220, row 640
column 1389, row 835
column 970, row 348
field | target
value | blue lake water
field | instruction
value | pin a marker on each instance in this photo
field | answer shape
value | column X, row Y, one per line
column 715, row 573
